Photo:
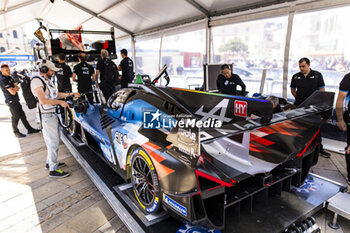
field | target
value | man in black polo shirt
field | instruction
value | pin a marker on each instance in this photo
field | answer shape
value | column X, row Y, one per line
column 127, row 68
column 86, row 75
column 227, row 81
column 63, row 75
column 9, row 88
column 344, row 122
column 107, row 74
column 304, row 84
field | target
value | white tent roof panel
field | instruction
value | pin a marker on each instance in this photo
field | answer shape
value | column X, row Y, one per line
column 66, row 15
column 19, row 16
column 11, row 3
column 97, row 6
column 128, row 16
column 138, row 15
column 215, row 5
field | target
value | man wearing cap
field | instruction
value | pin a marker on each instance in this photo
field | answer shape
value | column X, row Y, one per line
column 43, row 88
column 10, row 88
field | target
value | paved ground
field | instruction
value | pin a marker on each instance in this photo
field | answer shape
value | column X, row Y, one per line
column 31, row 201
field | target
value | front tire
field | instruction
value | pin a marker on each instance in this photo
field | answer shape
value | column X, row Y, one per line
column 145, row 181
column 72, row 125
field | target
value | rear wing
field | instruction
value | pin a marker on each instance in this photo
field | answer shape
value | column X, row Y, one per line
column 186, row 140
column 320, row 102
column 223, row 107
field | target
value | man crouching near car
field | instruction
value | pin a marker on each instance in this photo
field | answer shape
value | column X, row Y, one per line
column 44, row 90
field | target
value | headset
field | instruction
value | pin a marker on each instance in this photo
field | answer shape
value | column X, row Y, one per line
column 44, row 69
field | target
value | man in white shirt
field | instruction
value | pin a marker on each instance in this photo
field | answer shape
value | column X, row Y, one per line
column 43, row 88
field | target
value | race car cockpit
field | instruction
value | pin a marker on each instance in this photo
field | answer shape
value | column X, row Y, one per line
column 118, row 99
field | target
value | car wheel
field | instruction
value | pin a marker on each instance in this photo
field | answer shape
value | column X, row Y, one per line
column 144, row 181
column 70, row 123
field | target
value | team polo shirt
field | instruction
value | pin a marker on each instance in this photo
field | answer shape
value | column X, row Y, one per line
column 127, row 70
column 229, row 85
column 305, row 86
column 344, row 85
column 84, row 71
column 5, row 83
column 63, row 78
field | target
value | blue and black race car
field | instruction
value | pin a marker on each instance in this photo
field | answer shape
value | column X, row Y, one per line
column 199, row 155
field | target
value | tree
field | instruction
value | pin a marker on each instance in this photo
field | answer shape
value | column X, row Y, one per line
column 235, row 46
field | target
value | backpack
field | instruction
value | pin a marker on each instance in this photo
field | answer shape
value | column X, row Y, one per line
column 29, row 89
column 27, row 93
column 111, row 72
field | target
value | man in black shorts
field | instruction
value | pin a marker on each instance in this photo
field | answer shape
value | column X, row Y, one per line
column 63, row 75
column 303, row 84
column 127, row 68
column 10, row 88
column 86, row 75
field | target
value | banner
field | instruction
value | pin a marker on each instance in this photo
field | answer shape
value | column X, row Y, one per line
column 16, row 58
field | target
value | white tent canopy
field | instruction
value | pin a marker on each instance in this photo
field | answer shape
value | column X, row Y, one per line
column 129, row 17
column 146, row 19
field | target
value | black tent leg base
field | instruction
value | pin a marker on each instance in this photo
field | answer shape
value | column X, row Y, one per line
column 331, row 225
column 334, row 225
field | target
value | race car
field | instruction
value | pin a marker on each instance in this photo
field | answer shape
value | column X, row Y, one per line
column 199, row 155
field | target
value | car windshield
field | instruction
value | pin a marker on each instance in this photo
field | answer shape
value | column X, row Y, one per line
column 118, row 99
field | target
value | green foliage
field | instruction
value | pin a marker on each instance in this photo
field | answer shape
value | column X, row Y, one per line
column 235, row 46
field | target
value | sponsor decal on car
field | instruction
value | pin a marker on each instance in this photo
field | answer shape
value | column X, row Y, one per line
column 154, row 206
column 178, row 207
column 121, row 139
column 241, row 108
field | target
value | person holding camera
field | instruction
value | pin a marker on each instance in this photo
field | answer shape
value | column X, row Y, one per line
column 44, row 90
column 10, row 89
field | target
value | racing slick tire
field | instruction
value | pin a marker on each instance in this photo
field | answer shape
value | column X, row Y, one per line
column 72, row 125
column 145, row 183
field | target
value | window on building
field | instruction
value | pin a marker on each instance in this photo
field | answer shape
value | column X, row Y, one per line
column 14, row 32
column 1, row 36
column 259, row 45
column 184, row 59
column 327, row 48
column 2, row 49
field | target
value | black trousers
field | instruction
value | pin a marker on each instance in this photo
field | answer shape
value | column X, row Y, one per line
column 18, row 114
column 347, row 156
column 124, row 84
column 107, row 89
